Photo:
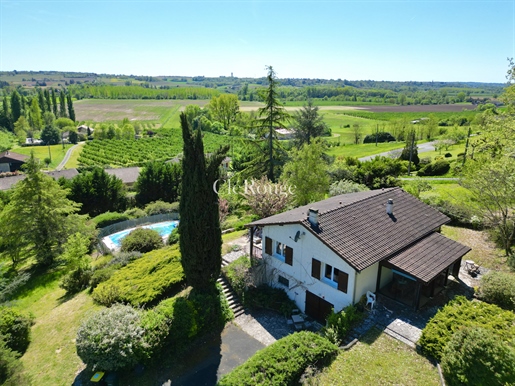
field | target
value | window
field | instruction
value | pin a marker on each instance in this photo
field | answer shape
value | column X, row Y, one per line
column 315, row 268
column 336, row 278
column 282, row 280
column 279, row 249
column 288, row 255
column 268, row 245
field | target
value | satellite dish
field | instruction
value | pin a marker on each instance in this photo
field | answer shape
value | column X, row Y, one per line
column 297, row 236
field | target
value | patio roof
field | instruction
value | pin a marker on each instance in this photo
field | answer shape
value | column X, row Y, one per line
column 430, row 256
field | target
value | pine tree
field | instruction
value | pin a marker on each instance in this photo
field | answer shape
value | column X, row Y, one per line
column 71, row 111
column 39, row 218
column 199, row 228
column 62, row 105
column 54, row 103
column 273, row 115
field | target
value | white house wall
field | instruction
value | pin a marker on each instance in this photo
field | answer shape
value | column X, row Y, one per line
column 366, row 280
column 299, row 274
column 386, row 276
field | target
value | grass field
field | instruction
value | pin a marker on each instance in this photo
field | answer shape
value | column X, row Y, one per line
column 74, row 157
column 41, row 152
column 51, row 358
column 363, row 150
column 378, row 359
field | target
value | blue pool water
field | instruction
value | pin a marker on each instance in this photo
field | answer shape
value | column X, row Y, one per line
column 163, row 228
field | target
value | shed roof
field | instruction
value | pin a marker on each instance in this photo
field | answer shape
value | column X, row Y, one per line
column 427, row 258
column 358, row 229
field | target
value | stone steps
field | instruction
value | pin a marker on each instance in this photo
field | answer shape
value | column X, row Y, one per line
column 234, row 303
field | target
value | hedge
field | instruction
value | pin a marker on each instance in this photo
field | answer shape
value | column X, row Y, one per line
column 475, row 356
column 460, row 313
column 145, row 280
column 283, row 362
column 437, row 168
column 498, row 288
column 108, row 218
column 178, row 320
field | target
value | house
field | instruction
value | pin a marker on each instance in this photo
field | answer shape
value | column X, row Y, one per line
column 284, row 134
column 8, row 182
column 128, row 175
column 11, row 162
column 328, row 254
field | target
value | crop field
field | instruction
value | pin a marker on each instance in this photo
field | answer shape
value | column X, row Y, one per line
column 124, row 153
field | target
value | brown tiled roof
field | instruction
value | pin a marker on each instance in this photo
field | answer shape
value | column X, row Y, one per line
column 8, row 156
column 428, row 257
column 357, row 228
column 127, row 175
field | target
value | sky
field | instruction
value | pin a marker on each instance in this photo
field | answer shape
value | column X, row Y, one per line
column 355, row 40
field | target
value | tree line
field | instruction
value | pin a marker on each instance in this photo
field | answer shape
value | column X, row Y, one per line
column 45, row 113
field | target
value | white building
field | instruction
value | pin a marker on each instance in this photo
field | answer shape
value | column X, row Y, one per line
column 328, row 254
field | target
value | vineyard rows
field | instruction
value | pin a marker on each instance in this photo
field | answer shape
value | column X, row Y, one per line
column 125, row 153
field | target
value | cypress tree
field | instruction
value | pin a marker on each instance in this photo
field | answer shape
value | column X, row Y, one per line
column 15, row 106
column 5, row 117
column 54, row 103
column 199, row 229
column 41, row 101
column 62, row 105
column 48, row 102
column 71, row 111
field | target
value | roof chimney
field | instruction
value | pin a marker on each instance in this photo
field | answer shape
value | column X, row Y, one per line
column 389, row 206
column 313, row 216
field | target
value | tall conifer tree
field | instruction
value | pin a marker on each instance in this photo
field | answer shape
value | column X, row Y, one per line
column 71, row 111
column 62, row 105
column 16, row 108
column 48, row 101
column 54, row 103
column 199, row 228
column 41, row 101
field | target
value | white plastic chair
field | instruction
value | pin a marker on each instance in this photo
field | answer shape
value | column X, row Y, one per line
column 371, row 299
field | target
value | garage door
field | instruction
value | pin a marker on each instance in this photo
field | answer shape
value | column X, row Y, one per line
column 316, row 307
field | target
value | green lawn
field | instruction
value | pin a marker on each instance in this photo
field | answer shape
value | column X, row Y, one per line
column 364, row 149
column 378, row 359
column 74, row 157
column 51, row 358
column 41, row 152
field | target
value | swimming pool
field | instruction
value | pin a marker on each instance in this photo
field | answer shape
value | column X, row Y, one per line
column 114, row 241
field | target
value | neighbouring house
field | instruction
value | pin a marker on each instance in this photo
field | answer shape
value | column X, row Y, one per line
column 284, row 134
column 11, row 162
column 328, row 254
column 128, row 175
column 8, row 182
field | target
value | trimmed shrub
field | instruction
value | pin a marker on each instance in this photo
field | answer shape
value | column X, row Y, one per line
column 142, row 240
column 76, row 280
column 121, row 259
column 174, row 236
column 340, row 323
column 437, row 168
column 15, row 328
column 283, row 362
column 160, row 207
column 381, row 137
column 112, row 339
column 237, row 273
column 143, row 281
column 498, row 288
column 447, row 155
column 135, row 213
column 178, row 320
column 460, row 313
column 101, row 275
column 475, row 356
column 108, row 218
